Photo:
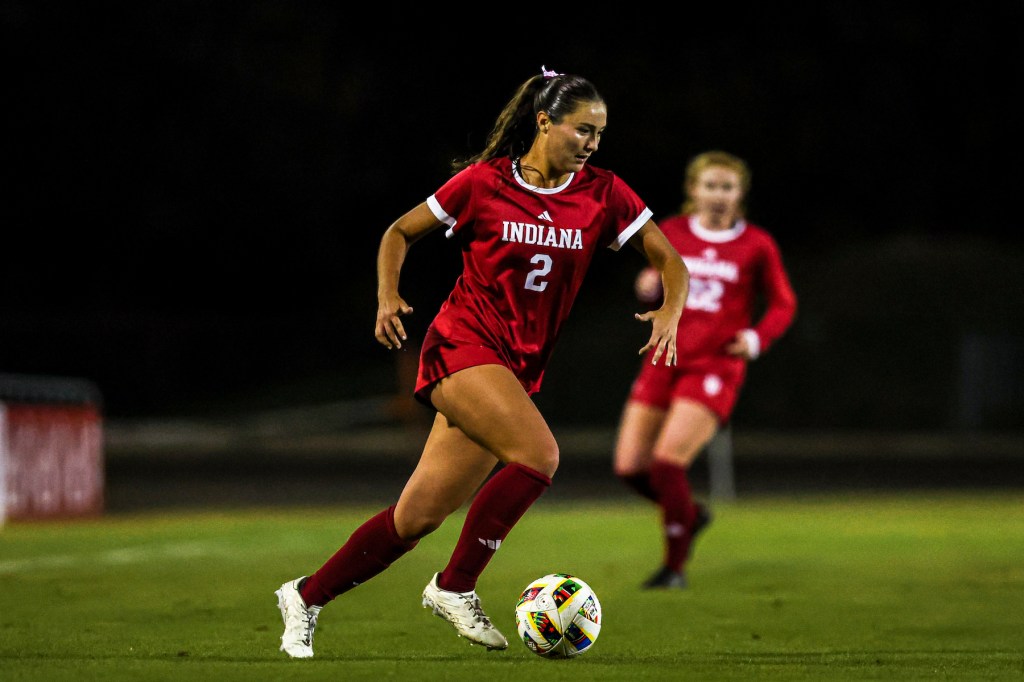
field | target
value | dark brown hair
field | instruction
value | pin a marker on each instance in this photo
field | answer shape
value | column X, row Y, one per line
column 516, row 126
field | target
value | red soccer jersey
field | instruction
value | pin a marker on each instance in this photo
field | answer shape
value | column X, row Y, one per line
column 729, row 270
column 525, row 252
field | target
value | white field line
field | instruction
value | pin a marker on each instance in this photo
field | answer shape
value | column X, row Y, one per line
column 113, row 557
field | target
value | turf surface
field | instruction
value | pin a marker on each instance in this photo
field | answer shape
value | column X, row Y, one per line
column 854, row 587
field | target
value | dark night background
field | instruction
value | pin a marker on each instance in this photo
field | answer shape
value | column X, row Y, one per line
column 196, row 192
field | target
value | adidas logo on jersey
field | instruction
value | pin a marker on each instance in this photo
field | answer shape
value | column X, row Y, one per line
column 544, row 216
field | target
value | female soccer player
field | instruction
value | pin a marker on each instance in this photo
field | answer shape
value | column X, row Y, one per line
column 673, row 411
column 528, row 213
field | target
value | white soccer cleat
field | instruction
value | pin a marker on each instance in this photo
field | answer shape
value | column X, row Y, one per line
column 299, row 620
column 462, row 610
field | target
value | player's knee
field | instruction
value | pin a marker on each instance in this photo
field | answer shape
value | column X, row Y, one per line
column 624, row 470
column 543, row 458
column 680, row 457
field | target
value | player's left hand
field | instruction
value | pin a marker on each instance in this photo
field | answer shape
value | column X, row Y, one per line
column 663, row 334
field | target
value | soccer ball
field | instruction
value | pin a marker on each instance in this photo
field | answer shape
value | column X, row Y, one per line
column 558, row 616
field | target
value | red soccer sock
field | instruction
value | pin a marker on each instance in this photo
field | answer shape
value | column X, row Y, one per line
column 678, row 510
column 498, row 506
column 373, row 547
column 640, row 482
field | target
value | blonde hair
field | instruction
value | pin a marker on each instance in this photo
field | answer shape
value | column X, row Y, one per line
column 710, row 159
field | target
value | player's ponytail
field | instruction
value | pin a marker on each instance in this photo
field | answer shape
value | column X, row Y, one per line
column 516, row 125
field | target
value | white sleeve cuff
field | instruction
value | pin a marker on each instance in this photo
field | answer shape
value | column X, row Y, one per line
column 753, row 342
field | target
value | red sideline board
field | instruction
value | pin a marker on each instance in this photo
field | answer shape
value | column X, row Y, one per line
column 51, row 454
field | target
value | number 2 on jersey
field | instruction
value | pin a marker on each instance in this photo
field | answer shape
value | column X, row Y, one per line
column 532, row 278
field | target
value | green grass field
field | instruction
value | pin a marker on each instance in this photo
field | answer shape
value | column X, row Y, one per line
column 855, row 587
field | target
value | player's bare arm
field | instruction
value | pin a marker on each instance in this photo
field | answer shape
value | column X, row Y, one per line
column 650, row 241
column 394, row 245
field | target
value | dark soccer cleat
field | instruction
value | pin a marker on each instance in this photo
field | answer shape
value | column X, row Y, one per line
column 665, row 579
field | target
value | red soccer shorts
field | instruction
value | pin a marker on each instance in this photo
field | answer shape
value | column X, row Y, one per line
column 712, row 381
column 441, row 357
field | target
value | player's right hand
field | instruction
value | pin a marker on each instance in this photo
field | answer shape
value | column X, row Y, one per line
column 389, row 330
